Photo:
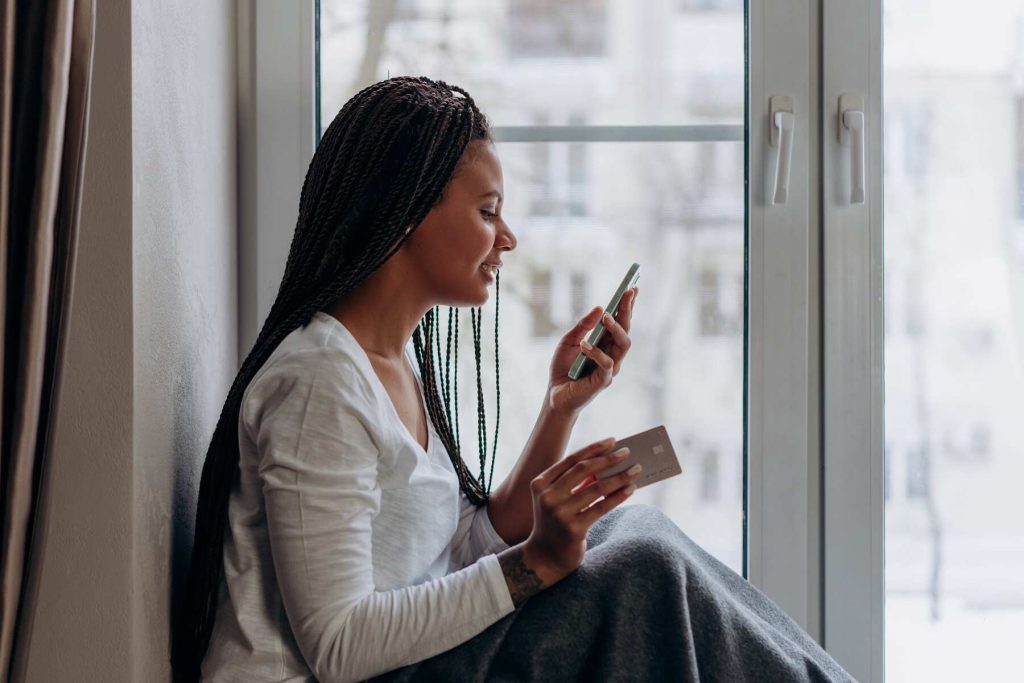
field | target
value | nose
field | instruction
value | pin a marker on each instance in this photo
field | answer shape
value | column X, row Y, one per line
column 506, row 239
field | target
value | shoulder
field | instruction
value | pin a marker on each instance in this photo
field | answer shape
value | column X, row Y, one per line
column 325, row 374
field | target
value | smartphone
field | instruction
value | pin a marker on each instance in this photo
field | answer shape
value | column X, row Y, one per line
column 583, row 366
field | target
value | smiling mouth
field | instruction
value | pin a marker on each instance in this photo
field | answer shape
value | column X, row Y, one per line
column 489, row 269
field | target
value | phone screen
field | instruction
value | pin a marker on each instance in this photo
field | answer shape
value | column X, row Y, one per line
column 583, row 366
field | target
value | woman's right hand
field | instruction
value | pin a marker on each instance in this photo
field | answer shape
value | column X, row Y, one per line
column 564, row 507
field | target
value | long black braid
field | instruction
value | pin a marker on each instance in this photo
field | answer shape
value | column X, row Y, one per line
column 380, row 167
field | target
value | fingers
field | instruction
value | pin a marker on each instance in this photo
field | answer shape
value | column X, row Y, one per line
column 585, row 483
column 602, row 487
column 617, row 328
column 577, row 332
column 578, row 471
column 605, row 363
column 619, row 336
column 624, row 315
column 551, row 474
column 598, row 509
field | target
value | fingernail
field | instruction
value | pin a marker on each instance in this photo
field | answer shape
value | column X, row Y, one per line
column 621, row 453
column 607, row 318
column 630, row 489
column 585, row 345
column 635, row 469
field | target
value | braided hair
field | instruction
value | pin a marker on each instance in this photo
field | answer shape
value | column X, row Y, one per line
column 380, row 167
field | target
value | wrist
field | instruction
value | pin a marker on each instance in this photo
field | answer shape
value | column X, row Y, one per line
column 546, row 569
column 520, row 576
column 553, row 413
column 526, row 572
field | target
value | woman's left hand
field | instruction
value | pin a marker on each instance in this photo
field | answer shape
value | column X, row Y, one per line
column 567, row 395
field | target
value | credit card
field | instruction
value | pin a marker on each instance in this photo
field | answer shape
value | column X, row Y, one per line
column 651, row 449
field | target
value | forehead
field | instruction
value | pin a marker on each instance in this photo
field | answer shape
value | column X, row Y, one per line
column 480, row 168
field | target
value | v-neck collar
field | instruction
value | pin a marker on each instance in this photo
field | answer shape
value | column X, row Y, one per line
column 379, row 387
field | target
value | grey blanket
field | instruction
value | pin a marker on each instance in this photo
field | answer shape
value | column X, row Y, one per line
column 647, row 604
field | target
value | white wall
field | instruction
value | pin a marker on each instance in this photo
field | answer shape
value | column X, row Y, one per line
column 183, row 94
column 152, row 348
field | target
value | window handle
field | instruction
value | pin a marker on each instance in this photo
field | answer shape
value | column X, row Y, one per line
column 851, row 134
column 781, row 140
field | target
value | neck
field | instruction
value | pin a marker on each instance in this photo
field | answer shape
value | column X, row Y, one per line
column 382, row 313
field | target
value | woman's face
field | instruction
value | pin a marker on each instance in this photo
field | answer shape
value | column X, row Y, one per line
column 464, row 232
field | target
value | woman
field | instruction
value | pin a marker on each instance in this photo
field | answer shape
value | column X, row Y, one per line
column 340, row 534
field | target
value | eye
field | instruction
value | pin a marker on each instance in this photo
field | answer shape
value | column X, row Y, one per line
column 488, row 214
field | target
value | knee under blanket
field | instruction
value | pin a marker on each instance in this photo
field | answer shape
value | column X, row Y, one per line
column 647, row 604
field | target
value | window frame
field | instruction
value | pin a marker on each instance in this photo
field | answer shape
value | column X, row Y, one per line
column 853, row 347
column 276, row 138
column 783, row 324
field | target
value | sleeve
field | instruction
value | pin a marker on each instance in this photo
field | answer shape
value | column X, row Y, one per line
column 318, row 470
column 474, row 536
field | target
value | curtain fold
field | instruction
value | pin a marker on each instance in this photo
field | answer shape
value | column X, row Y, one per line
column 46, row 48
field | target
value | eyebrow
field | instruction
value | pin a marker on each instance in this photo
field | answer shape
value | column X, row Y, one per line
column 493, row 193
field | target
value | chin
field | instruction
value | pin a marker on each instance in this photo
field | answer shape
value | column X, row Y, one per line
column 480, row 295
column 469, row 300
column 478, row 298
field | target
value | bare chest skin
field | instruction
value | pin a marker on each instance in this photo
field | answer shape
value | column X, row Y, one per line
column 405, row 396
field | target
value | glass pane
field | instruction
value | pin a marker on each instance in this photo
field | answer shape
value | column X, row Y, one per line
column 584, row 211
column 607, row 62
column 954, row 291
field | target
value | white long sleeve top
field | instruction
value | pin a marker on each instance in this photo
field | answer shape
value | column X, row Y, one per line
column 349, row 550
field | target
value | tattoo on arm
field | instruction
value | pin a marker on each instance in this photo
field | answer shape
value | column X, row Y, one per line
column 522, row 581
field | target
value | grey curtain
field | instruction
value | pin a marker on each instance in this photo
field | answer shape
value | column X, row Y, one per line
column 46, row 49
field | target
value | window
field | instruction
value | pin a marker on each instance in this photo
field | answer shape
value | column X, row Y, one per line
column 568, row 28
column 709, row 490
column 908, row 137
column 1019, row 152
column 541, row 196
column 578, row 295
column 887, row 474
column 952, row 390
column 967, row 442
column 576, row 176
column 557, row 300
column 980, row 442
column 710, row 5
column 918, row 467
column 914, row 321
column 540, row 304
column 721, row 303
column 558, row 173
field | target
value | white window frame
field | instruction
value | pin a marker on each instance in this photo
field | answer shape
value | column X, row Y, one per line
column 276, row 140
column 853, row 346
column 783, row 426
column 814, row 336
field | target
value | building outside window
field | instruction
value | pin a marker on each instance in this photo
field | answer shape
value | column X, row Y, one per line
column 568, row 28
